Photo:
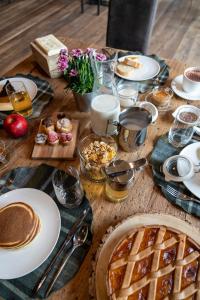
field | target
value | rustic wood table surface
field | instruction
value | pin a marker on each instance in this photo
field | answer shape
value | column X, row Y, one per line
column 145, row 198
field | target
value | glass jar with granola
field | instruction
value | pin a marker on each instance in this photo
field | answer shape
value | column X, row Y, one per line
column 95, row 153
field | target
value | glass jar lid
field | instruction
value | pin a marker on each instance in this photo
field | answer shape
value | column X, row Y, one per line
column 178, row 168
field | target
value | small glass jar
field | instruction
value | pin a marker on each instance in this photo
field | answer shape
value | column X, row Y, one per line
column 161, row 98
column 128, row 93
column 117, row 188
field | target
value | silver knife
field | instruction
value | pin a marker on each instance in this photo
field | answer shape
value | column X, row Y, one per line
column 69, row 236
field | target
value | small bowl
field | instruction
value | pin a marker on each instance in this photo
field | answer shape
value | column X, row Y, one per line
column 160, row 97
column 92, row 169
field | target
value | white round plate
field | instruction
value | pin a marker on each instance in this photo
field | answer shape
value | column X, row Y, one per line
column 124, row 229
column 29, row 84
column 176, row 86
column 192, row 151
column 149, row 69
column 19, row 262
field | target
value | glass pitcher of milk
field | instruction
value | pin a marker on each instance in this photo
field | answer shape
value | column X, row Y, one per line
column 105, row 107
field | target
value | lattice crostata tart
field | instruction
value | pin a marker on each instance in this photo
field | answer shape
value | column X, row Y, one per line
column 153, row 263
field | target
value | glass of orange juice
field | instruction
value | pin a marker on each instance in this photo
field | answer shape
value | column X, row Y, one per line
column 20, row 99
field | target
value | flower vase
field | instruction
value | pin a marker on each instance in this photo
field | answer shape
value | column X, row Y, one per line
column 83, row 102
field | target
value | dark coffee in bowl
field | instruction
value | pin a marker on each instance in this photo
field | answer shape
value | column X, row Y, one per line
column 193, row 75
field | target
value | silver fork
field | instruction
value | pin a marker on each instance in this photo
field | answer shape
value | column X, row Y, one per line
column 172, row 191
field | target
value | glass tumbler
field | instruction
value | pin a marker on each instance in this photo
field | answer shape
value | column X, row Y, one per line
column 68, row 188
column 182, row 128
column 20, row 99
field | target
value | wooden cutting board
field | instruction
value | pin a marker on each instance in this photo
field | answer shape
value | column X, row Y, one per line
column 57, row 151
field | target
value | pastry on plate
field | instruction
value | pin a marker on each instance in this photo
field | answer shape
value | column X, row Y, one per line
column 154, row 263
column 64, row 125
column 48, row 125
column 132, row 61
column 65, row 138
column 125, row 70
column 52, row 138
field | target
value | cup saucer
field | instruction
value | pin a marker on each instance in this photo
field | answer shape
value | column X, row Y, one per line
column 176, row 86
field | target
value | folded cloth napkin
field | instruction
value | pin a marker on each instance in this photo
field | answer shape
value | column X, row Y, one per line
column 160, row 153
column 44, row 94
column 144, row 86
column 40, row 178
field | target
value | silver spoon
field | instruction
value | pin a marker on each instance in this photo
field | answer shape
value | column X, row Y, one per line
column 78, row 240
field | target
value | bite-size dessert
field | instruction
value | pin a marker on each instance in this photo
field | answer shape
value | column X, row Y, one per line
column 41, row 138
column 154, row 263
column 64, row 125
column 48, row 125
column 65, row 138
column 52, row 138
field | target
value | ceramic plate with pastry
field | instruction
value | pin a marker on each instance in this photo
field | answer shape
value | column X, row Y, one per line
column 149, row 256
column 5, row 104
column 30, row 226
column 137, row 67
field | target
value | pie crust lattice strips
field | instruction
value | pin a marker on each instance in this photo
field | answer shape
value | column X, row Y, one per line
column 153, row 263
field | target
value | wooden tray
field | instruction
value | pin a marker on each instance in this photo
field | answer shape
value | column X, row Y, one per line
column 115, row 234
column 57, row 151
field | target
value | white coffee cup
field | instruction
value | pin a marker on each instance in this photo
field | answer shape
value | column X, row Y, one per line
column 191, row 80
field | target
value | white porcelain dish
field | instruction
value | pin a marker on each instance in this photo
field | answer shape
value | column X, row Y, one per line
column 149, row 69
column 19, row 262
column 176, row 86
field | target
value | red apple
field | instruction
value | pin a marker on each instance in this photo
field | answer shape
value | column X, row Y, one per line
column 15, row 125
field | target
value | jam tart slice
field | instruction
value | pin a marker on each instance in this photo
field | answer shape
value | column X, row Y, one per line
column 154, row 263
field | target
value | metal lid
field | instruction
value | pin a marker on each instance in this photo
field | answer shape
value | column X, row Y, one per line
column 120, row 182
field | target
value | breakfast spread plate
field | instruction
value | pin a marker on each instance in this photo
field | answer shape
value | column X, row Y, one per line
column 176, row 86
column 192, row 151
column 17, row 262
column 30, row 85
column 137, row 67
column 149, row 256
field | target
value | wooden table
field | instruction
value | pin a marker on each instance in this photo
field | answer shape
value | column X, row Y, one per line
column 145, row 198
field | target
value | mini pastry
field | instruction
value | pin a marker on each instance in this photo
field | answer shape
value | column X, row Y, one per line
column 65, row 138
column 48, row 125
column 53, row 138
column 125, row 70
column 41, row 138
column 64, row 125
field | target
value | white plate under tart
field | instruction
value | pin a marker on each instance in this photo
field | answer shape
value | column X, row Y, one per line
column 125, row 228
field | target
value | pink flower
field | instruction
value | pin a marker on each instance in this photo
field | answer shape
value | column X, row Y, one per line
column 76, row 53
column 100, row 57
column 63, row 60
column 89, row 50
column 63, row 52
column 73, row 73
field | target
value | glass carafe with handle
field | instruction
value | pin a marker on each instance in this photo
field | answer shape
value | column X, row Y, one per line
column 105, row 107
